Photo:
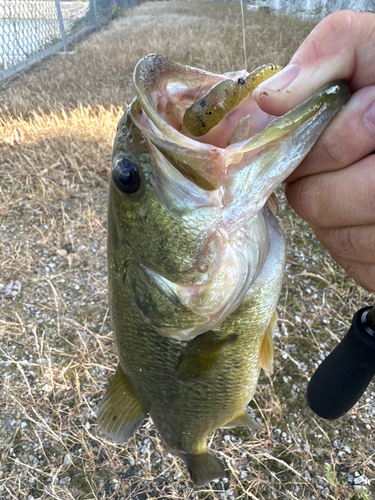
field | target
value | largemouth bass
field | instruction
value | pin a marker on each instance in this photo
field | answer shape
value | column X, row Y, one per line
column 196, row 256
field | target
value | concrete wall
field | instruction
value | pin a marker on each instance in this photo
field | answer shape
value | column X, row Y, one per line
column 314, row 8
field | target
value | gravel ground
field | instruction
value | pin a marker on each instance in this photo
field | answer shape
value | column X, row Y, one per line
column 56, row 348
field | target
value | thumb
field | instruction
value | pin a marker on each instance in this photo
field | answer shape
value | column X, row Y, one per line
column 340, row 47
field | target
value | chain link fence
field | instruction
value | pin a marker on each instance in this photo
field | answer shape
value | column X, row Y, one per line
column 31, row 30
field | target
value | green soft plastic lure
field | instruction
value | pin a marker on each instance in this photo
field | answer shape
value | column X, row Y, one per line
column 211, row 108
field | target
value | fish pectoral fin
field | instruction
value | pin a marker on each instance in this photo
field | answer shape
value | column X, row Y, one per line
column 273, row 204
column 202, row 354
column 120, row 412
column 203, row 467
column 243, row 420
column 266, row 349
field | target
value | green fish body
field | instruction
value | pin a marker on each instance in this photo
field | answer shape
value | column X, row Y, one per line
column 196, row 256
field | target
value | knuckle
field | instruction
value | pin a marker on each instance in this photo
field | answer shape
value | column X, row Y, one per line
column 363, row 275
column 314, row 193
column 340, row 242
column 302, row 198
column 330, row 152
column 340, row 21
column 367, row 180
column 369, row 279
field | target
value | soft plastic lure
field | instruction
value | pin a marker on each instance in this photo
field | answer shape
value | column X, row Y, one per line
column 211, row 108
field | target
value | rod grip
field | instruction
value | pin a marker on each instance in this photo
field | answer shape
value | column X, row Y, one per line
column 342, row 378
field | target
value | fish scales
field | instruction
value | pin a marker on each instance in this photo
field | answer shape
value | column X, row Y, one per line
column 196, row 256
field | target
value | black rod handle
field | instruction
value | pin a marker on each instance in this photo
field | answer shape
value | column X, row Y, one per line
column 342, row 378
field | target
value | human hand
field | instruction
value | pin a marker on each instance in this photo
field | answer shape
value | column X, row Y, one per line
column 334, row 187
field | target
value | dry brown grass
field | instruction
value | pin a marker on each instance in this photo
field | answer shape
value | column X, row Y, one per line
column 57, row 125
column 99, row 71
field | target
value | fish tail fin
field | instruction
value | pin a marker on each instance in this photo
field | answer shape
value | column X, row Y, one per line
column 204, row 467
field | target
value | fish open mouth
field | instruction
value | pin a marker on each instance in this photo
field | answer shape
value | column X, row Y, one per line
column 167, row 89
column 174, row 88
column 178, row 95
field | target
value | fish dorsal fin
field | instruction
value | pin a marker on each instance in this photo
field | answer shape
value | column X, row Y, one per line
column 266, row 349
column 243, row 420
column 202, row 354
column 120, row 412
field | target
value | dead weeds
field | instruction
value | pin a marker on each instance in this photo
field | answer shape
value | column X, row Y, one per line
column 57, row 125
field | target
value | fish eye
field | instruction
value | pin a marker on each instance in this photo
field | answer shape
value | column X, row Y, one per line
column 126, row 176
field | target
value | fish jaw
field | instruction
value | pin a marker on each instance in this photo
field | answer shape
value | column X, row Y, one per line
column 165, row 89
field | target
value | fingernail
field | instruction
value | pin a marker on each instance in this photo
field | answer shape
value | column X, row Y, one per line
column 281, row 80
column 370, row 117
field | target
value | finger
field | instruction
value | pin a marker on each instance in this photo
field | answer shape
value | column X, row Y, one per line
column 340, row 198
column 349, row 244
column 340, row 47
column 363, row 274
column 348, row 138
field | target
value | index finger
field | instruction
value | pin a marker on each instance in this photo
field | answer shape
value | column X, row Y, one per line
column 340, row 47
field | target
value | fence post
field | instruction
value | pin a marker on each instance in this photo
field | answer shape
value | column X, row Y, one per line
column 62, row 27
column 95, row 11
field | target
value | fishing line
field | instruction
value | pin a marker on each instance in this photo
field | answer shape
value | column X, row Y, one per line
column 243, row 36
